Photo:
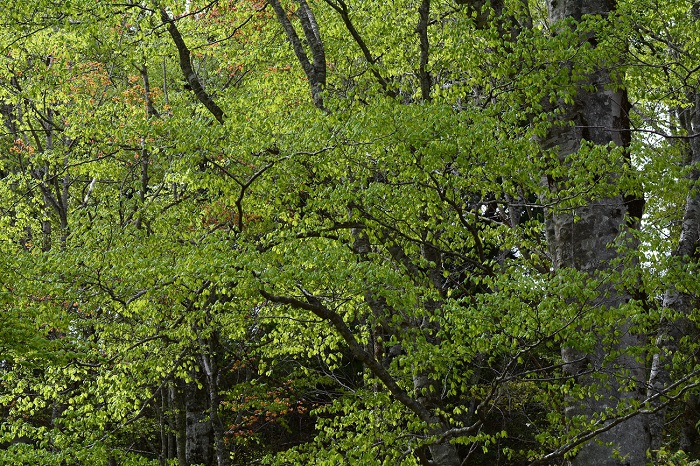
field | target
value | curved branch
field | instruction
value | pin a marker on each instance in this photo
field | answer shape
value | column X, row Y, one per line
column 188, row 71
column 314, row 305
column 651, row 400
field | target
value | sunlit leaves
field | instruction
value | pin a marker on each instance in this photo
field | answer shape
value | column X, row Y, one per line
column 136, row 230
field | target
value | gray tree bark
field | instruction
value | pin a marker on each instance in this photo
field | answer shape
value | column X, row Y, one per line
column 198, row 428
column 599, row 116
column 179, row 415
column 210, row 365
column 679, row 305
column 442, row 453
column 315, row 69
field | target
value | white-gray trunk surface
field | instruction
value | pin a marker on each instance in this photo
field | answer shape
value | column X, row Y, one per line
column 598, row 116
column 678, row 305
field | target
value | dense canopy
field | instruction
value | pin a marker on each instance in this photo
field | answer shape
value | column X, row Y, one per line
column 411, row 232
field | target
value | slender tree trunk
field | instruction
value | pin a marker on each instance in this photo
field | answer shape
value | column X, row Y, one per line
column 180, row 414
column 164, row 424
column 678, row 305
column 210, row 365
column 315, row 67
column 445, row 453
column 581, row 240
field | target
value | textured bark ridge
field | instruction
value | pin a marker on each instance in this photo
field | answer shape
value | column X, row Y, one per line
column 599, row 116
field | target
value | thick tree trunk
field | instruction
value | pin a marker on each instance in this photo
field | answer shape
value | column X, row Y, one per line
column 198, row 429
column 580, row 240
column 445, row 453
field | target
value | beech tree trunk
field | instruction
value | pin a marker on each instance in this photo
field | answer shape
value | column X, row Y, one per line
column 579, row 239
column 211, row 369
column 198, row 428
column 678, row 305
column 180, row 420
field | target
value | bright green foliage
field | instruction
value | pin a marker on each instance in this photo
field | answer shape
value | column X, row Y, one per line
column 156, row 263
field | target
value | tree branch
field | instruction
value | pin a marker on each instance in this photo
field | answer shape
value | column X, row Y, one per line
column 342, row 8
column 317, row 308
column 422, row 30
column 188, row 71
column 316, row 71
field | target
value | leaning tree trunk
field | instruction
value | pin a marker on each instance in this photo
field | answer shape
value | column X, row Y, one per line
column 581, row 240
